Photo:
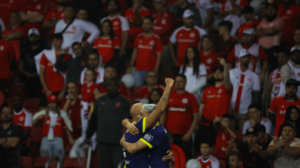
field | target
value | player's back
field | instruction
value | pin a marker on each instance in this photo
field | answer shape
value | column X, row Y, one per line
column 159, row 140
column 136, row 160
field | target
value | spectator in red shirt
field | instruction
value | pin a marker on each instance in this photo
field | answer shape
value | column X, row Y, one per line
column 227, row 42
column 71, row 105
column 151, row 80
column 270, row 29
column 289, row 12
column 179, row 155
column 14, row 32
column 215, row 102
column 146, row 54
column 110, row 74
column 107, row 45
column 258, row 55
column 206, row 159
column 54, row 121
column 248, row 13
column 135, row 17
column 181, row 116
column 52, row 80
column 33, row 13
column 297, row 37
column 223, row 135
column 7, row 54
column 53, row 16
column 209, row 56
column 184, row 37
column 279, row 105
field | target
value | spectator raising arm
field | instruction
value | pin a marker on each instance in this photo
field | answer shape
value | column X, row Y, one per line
column 236, row 9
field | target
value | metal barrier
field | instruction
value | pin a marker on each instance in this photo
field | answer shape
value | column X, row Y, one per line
column 89, row 157
column 51, row 160
column 121, row 164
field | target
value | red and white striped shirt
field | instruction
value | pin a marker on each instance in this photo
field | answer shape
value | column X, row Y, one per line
column 211, row 162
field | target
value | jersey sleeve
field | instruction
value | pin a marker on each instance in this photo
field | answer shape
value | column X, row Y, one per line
column 215, row 164
column 151, row 139
column 194, row 104
column 48, row 16
column 231, row 56
column 28, row 120
column 246, row 126
column 268, row 126
column 43, row 61
column 158, row 46
column 262, row 54
column 256, row 84
column 125, row 24
column 202, row 70
column 117, row 43
column 273, row 106
column 136, row 42
column 141, row 126
column 173, row 37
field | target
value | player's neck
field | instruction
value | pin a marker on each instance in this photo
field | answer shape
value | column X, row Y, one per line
column 152, row 86
column 68, row 20
column 206, row 157
column 191, row 63
column 243, row 68
column 219, row 83
column 34, row 46
column 106, row 35
column 60, row 8
column 249, row 21
column 6, row 125
column 114, row 14
column 181, row 91
column 89, row 83
column 207, row 51
column 58, row 51
column 298, row 44
column 148, row 34
column 226, row 36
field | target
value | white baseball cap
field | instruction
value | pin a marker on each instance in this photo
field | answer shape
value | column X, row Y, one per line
column 295, row 48
column 243, row 53
column 249, row 31
column 187, row 13
column 33, row 31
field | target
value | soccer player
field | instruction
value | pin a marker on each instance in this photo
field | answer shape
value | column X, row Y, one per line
column 129, row 141
column 206, row 159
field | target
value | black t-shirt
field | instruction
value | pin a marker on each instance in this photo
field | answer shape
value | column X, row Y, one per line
column 10, row 157
column 225, row 47
column 251, row 160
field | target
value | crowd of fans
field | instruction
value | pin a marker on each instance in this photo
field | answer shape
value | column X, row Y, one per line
column 236, row 66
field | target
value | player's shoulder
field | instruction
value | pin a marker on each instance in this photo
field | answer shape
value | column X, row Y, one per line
column 213, row 159
column 199, row 158
column 161, row 87
column 265, row 120
column 61, row 21
column 280, row 98
column 201, row 31
column 156, row 36
column 27, row 112
column 179, row 29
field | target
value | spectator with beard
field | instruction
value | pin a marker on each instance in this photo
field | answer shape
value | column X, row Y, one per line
column 120, row 24
column 270, row 29
column 289, row 12
column 28, row 67
column 285, row 149
column 23, row 118
column 10, row 137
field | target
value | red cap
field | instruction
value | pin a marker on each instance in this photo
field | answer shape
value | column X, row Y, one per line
column 52, row 99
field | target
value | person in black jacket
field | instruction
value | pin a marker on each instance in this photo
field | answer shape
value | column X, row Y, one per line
column 106, row 118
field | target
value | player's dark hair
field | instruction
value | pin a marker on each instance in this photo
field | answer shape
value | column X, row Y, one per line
column 72, row 82
column 196, row 61
column 68, row 4
column 181, row 75
column 260, row 128
column 94, row 52
column 117, row 4
column 90, row 69
column 227, row 116
column 153, row 72
column 83, row 8
column 274, row 5
column 206, row 142
column 206, row 36
column 75, row 43
column 254, row 105
column 283, row 50
column 57, row 36
column 110, row 66
column 150, row 18
column 226, row 24
column 238, row 157
column 111, row 30
column 154, row 90
column 248, row 10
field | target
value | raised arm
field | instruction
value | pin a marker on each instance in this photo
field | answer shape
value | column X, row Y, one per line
column 227, row 82
column 162, row 104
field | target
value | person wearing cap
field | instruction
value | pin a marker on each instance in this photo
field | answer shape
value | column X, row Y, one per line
column 7, row 54
column 184, row 37
column 14, row 32
column 209, row 56
column 288, row 11
column 255, row 117
column 274, row 80
column 24, row 118
column 135, row 17
column 270, row 28
column 258, row 55
column 252, row 154
column 227, row 42
column 223, row 134
column 286, row 149
column 120, row 23
column 280, row 104
column 76, row 29
column 146, row 54
column 53, row 81
column 248, row 13
column 53, row 120
column 214, row 103
column 10, row 138
column 179, row 9
column 246, row 87
column 291, row 70
column 28, row 64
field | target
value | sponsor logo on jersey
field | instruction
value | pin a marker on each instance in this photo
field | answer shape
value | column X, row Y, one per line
column 148, row 137
column 185, row 100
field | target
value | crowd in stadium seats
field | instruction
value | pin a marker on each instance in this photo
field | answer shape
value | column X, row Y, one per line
column 71, row 69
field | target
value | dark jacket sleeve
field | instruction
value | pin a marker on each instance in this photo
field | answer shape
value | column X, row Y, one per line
column 60, row 64
column 92, row 125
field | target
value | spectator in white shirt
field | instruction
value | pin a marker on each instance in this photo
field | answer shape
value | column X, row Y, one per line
column 255, row 118
column 194, row 71
column 73, row 29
